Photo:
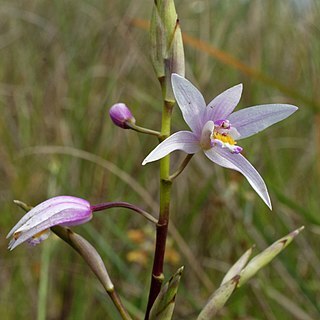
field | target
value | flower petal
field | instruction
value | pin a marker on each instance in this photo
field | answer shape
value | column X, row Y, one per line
column 182, row 140
column 190, row 102
column 43, row 206
column 38, row 238
column 222, row 105
column 239, row 163
column 251, row 120
column 67, row 217
column 71, row 212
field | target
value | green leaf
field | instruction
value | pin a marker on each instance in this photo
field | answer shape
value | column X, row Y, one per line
column 237, row 267
column 259, row 261
column 238, row 274
column 163, row 307
column 218, row 299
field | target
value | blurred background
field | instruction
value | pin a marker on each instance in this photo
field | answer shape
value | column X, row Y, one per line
column 64, row 63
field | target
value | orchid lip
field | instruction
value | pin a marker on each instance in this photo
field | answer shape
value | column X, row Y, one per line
column 213, row 136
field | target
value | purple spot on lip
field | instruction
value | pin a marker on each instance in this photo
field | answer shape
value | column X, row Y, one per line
column 223, row 123
column 219, row 122
column 237, row 150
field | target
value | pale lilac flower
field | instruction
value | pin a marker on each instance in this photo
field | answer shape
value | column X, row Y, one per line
column 215, row 129
column 34, row 226
column 121, row 115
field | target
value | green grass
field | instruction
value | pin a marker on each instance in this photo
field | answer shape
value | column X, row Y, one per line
column 64, row 63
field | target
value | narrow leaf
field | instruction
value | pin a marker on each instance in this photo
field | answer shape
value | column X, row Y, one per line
column 259, row 261
column 163, row 307
column 237, row 267
column 218, row 299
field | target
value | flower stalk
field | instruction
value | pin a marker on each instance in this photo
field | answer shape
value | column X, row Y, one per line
column 167, row 57
column 121, row 204
column 94, row 261
column 181, row 167
column 157, row 276
column 134, row 127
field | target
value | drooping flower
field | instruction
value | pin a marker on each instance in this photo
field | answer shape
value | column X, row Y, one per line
column 34, row 226
column 215, row 129
column 121, row 115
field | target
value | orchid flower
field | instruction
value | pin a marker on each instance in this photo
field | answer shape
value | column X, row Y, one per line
column 215, row 129
column 34, row 226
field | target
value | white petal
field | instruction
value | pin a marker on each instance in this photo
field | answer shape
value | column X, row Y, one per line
column 239, row 163
column 222, row 105
column 251, row 120
column 190, row 101
column 182, row 140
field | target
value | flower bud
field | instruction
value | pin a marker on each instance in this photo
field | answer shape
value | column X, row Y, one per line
column 167, row 54
column 121, row 115
column 34, row 226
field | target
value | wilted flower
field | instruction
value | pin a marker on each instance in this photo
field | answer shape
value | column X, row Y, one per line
column 215, row 129
column 121, row 115
column 34, row 226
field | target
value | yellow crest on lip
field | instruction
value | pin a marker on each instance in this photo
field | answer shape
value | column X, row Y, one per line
column 224, row 138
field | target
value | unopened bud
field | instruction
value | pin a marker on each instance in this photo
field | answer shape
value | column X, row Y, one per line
column 121, row 115
column 162, row 25
column 174, row 63
column 167, row 52
column 34, row 226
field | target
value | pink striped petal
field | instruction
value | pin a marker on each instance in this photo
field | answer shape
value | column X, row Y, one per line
column 67, row 217
column 45, row 206
column 61, row 210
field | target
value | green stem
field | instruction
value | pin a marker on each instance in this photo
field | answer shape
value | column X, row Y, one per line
column 117, row 302
column 143, row 130
column 163, row 222
column 181, row 167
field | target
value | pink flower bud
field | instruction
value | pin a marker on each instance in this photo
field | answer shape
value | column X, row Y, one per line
column 34, row 226
column 121, row 115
